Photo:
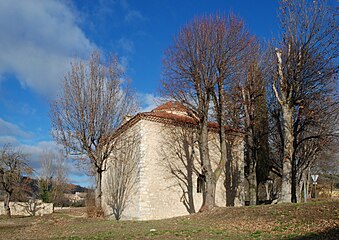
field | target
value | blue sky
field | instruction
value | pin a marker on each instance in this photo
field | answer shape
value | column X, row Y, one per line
column 39, row 39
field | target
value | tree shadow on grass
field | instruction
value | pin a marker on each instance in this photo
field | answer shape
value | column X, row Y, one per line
column 328, row 234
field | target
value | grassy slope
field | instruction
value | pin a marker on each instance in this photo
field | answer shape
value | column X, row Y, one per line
column 315, row 220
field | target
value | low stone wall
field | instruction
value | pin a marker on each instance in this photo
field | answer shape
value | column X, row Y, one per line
column 30, row 208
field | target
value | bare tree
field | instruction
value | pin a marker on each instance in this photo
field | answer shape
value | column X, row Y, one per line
column 255, row 125
column 60, row 179
column 231, row 52
column 305, row 77
column 46, row 175
column 186, row 80
column 196, row 70
column 13, row 165
column 46, row 159
column 94, row 99
column 234, row 169
column 53, row 176
column 122, row 173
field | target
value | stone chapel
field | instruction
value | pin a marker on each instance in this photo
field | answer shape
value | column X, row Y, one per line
column 166, row 179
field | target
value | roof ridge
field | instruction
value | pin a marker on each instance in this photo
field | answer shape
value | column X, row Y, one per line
column 171, row 105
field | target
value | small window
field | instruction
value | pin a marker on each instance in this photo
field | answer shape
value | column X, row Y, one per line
column 201, row 183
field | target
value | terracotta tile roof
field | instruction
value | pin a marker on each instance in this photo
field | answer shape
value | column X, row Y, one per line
column 168, row 114
column 170, row 117
column 171, row 106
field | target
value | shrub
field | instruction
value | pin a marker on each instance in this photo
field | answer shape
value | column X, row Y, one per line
column 91, row 210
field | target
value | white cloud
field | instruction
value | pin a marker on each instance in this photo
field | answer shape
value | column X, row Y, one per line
column 7, row 139
column 76, row 174
column 131, row 14
column 149, row 101
column 11, row 130
column 134, row 15
column 34, row 151
column 126, row 45
column 10, row 133
column 38, row 40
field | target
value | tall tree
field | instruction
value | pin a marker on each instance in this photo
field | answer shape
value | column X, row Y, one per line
column 195, row 71
column 13, row 165
column 94, row 99
column 231, row 50
column 53, row 176
column 255, row 124
column 306, row 72
column 187, row 80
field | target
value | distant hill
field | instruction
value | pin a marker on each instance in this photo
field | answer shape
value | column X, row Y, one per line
column 76, row 188
column 70, row 188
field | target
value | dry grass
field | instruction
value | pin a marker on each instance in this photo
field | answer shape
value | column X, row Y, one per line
column 314, row 220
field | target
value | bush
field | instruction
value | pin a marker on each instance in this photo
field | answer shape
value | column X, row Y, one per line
column 91, row 210
column 79, row 204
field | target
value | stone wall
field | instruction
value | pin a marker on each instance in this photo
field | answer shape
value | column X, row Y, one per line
column 31, row 208
column 131, row 212
column 157, row 193
column 160, row 195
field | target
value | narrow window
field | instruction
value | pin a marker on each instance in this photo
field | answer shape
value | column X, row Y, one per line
column 201, row 183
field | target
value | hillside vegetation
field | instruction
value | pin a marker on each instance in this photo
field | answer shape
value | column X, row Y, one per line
column 313, row 220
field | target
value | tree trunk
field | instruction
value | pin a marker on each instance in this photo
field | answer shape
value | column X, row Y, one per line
column 252, row 168
column 223, row 154
column 267, row 191
column 230, row 194
column 299, row 190
column 252, row 182
column 305, row 188
column 286, row 188
column 294, row 184
column 209, row 193
column 219, row 105
column 209, row 201
column 238, row 176
column 98, row 190
column 251, row 157
column 191, row 208
column 6, row 204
